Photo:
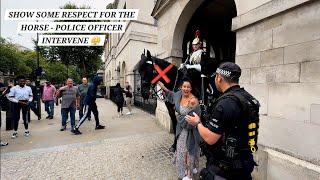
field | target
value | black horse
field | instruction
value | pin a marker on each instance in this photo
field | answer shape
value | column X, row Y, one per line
column 202, row 89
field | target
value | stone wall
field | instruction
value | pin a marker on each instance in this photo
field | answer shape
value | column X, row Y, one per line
column 278, row 48
column 280, row 58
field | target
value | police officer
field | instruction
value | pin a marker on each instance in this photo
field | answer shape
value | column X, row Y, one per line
column 229, row 129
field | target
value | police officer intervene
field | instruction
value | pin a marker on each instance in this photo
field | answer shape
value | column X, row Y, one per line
column 230, row 129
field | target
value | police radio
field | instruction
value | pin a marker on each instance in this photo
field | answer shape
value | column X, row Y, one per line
column 231, row 145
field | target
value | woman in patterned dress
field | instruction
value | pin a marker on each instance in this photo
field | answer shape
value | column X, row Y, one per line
column 187, row 155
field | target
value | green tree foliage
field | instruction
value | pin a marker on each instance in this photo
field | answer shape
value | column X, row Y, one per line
column 87, row 60
column 57, row 72
column 25, row 63
column 11, row 59
column 113, row 5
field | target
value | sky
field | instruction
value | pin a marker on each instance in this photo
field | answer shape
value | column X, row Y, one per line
column 9, row 28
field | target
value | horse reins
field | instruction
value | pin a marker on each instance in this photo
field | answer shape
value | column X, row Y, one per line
column 154, row 87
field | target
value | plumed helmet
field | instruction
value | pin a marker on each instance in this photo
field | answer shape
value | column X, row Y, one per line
column 196, row 40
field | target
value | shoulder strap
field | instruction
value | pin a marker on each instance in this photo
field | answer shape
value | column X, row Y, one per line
column 227, row 95
column 246, row 99
column 242, row 100
column 240, row 97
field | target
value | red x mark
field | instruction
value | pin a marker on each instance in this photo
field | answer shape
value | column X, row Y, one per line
column 162, row 74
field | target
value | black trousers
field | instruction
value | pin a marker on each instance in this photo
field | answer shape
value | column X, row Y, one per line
column 17, row 108
column 33, row 107
column 87, row 110
column 214, row 171
column 81, row 111
column 173, row 118
column 120, row 106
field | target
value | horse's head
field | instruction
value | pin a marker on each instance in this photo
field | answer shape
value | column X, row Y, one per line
column 145, row 69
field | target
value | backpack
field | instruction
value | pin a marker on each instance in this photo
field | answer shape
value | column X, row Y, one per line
column 250, row 108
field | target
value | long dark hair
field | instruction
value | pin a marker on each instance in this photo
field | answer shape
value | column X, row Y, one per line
column 193, row 90
column 186, row 79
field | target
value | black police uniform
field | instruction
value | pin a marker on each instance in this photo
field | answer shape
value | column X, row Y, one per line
column 225, row 115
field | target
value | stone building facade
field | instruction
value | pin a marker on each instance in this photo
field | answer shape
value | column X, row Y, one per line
column 123, row 51
column 277, row 44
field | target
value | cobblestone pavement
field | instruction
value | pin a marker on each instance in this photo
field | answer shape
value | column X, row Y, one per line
column 131, row 147
column 142, row 156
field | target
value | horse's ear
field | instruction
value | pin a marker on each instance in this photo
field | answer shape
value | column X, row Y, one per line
column 148, row 54
column 144, row 51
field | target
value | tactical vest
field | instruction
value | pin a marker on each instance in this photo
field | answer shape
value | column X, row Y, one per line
column 242, row 135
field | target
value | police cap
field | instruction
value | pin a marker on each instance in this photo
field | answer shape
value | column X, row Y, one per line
column 229, row 70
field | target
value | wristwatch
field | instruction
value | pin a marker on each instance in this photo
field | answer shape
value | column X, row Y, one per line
column 199, row 122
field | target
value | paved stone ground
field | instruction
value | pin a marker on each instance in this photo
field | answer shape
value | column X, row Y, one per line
column 131, row 147
column 142, row 156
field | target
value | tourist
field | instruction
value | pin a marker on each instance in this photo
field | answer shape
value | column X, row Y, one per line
column 90, row 105
column 33, row 104
column 83, row 88
column 2, row 103
column 48, row 99
column 119, row 100
column 21, row 96
column 187, row 154
column 70, row 102
column 128, row 93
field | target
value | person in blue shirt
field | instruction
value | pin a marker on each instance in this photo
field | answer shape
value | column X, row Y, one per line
column 90, row 105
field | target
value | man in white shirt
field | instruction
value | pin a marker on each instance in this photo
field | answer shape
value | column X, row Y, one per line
column 21, row 96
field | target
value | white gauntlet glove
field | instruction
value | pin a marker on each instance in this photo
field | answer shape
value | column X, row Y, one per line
column 196, row 67
column 181, row 66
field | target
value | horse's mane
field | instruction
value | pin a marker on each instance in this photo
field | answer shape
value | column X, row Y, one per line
column 160, row 62
column 140, row 63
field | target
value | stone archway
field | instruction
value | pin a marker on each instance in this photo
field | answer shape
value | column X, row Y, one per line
column 175, row 29
column 181, row 26
column 173, row 23
column 214, row 20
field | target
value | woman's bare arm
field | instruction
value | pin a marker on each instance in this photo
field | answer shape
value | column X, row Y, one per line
column 163, row 87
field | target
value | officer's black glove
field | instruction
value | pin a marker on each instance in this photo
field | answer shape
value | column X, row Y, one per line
column 205, row 174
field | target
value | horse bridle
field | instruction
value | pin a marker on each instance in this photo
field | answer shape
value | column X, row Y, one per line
column 160, row 91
